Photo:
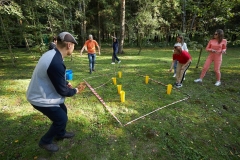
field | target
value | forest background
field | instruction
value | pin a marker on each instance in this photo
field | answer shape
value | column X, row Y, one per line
column 27, row 23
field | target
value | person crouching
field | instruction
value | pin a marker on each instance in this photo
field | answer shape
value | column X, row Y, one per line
column 184, row 60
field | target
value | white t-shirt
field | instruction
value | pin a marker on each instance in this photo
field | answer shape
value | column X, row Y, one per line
column 184, row 47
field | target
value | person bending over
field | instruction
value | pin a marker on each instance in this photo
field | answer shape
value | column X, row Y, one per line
column 184, row 60
column 184, row 48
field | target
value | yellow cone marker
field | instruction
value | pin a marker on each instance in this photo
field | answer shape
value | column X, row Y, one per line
column 120, row 74
column 114, row 80
column 122, row 96
column 169, row 88
column 146, row 79
column 119, row 88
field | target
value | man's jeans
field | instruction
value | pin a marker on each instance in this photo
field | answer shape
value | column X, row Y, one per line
column 58, row 115
column 91, row 58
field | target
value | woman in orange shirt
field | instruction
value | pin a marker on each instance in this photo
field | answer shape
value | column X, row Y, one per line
column 90, row 46
column 216, row 47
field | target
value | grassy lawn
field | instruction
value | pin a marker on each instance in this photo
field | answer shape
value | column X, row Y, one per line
column 204, row 124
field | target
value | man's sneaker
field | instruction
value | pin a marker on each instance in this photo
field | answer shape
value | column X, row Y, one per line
column 198, row 80
column 218, row 83
column 178, row 85
column 113, row 63
column 49, row 147
column 119, row 62
column 174, row 75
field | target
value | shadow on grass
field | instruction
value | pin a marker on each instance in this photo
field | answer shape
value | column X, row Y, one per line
column 20, row 136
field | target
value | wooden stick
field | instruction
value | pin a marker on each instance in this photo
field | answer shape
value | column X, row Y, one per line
column 199, row 57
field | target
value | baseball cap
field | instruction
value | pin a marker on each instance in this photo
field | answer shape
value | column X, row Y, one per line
column 67, row 37
column 178, row 45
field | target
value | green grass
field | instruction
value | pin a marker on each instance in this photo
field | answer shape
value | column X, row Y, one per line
column 205, row 126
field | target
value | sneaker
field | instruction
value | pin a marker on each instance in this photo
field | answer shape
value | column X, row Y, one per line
column 49, row 147
column 113, row 63
column 198, row 80
column 174, row 75
column 218, row 83
column 119, row 62
column 178, row 85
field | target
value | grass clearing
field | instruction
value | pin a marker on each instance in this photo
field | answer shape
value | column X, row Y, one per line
column 205, row 126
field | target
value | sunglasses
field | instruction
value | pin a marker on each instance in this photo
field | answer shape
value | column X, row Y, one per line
column 215, row 34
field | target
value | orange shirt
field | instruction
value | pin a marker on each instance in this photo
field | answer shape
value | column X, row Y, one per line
column 91, row 44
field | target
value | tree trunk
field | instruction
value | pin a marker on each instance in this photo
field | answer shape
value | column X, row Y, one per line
column 140, row 39
column 99, row 27
column 64, row 18
column 81, row 35
column 83, row 21
column 27, row 45
column 200, row 53
column 184, row 16
column 122, row 26
column 194, row 17
column 8, row 42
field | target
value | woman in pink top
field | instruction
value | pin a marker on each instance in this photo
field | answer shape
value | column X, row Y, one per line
column 216, row 47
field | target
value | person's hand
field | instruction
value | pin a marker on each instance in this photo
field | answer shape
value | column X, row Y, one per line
column 214, row 51
column 224, row 52
column 170, row 70
column 81, row 87
column 69, row 85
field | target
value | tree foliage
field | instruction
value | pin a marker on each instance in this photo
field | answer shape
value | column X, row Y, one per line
column 159, row 21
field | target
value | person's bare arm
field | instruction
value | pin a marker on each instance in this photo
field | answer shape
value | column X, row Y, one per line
column 170, row 70
column 82, row 50
column 98, row 50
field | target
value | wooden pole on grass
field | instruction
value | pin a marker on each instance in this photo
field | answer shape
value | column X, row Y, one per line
column 200, row 53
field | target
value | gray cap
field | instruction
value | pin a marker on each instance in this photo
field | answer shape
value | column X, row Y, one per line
column 67, row 37
column 178, row 45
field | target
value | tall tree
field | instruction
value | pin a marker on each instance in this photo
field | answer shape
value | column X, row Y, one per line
column 122, row 35
column 184, row 16
column 10, row 10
